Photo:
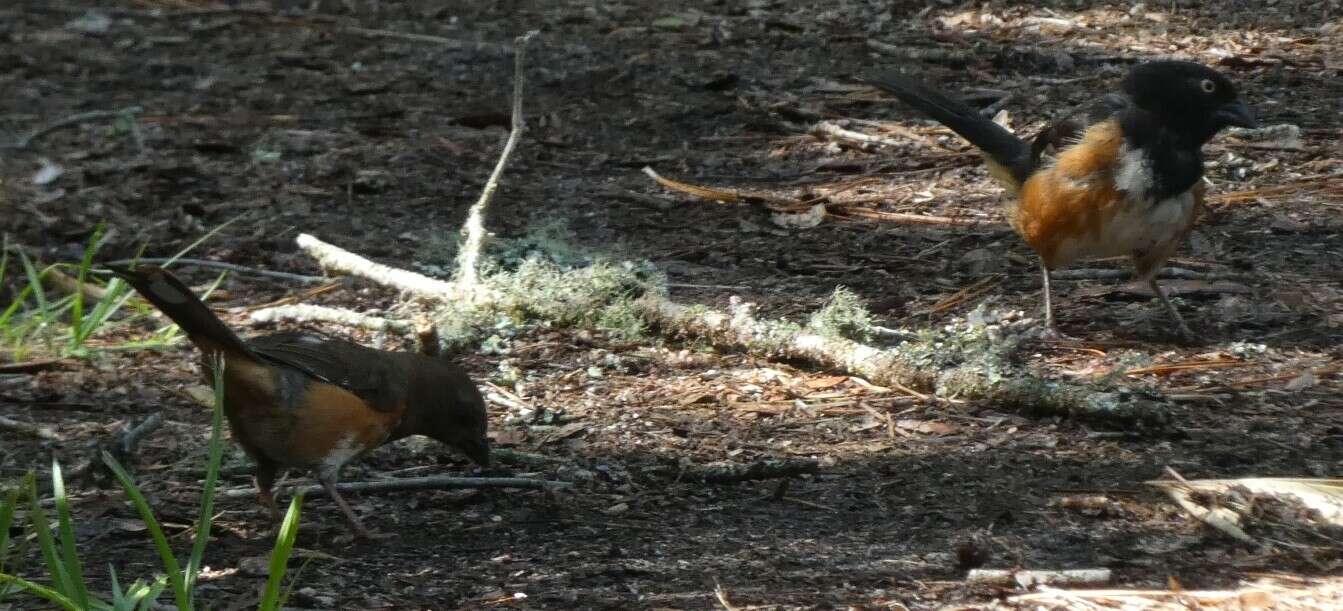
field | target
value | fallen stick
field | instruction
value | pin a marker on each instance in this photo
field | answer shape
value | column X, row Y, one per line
column 225, row 266
column 335, row 259
column 97, row 115
column 25, row 428
column 730, row 196
column 33, row 366
column 122, row 445
column 473, row 231
column 1005, row 387
column 451, row 43
column 128, row 441
column 303, row 312
column 843, row 210
column 412, row 483
column 772, row 468
column 66, row 283
column 1169, row 273
column 858, row 139
column 1025, row 579
column 946, row 56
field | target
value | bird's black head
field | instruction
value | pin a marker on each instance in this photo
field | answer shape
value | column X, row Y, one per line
column 445, row 405
column 1193, row 98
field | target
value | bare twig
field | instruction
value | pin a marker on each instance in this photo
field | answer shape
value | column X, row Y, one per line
column 438, row 40
column 474, row 228
column 69, row 284
column 1074, row 577
column 947, row 56
column 121, row 445
column 721, row 595
column 33, row 366
column 1169, row 273
column 761, row 469
column 858, row 139
column 335, row 259
column 840, row 209
column 226, row 266
column 416, row 483
column 97, row 115
column 31, row 430
column 731, row 196
column 129, row 439
column 302, row 312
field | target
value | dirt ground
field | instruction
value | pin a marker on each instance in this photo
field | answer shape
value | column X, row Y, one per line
column 289, row 118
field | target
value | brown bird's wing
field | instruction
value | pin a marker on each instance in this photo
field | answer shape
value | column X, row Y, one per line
column 1068, row 130
column 367, row 373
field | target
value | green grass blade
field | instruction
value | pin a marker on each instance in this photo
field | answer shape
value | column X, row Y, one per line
column 152, row 593
column 279, row 557
column 215, row 456
column 192, row 246
column 170, row 564
column 65, row 528
column 118, row 293
column 6, row 518
column 118, row 598
column 4, row 257
column 77, row 309
column 60, row 580
column 14, row 306
column 293, row 581
column 35, row 283
column 41, row 591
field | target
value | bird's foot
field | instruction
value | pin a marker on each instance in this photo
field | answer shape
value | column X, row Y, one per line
column 1052, row 334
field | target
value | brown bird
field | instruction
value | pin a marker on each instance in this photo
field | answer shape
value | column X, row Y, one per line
column 1126, row 175
column 298, row 400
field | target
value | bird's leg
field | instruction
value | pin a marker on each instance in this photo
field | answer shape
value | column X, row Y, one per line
column 264, row 480
column 1051, row 332
column 329, row 484
column 1170, row 307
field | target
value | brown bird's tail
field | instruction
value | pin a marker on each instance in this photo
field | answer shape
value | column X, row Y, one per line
column 177, row 302
column 1009, row 156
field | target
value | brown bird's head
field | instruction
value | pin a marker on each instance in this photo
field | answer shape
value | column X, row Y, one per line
column 450, row 409
column 1199, row 100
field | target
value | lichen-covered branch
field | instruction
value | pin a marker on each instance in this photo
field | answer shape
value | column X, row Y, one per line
column 25, row 428
column 314, row 313
column 966, row 361
column 335, row 259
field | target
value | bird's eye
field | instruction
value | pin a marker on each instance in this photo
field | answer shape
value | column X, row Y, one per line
column 1207, row 86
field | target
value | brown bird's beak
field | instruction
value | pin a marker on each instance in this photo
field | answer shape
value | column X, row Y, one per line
column 1235, row 113
column 478, row 450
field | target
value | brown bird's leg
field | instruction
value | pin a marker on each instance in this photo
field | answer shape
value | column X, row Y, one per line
column 264, row 480
column 1170, row 307
column 1050, row 331
column 329, row 484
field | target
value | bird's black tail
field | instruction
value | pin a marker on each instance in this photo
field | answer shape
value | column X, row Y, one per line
column 1002, row 148
column 177, row 302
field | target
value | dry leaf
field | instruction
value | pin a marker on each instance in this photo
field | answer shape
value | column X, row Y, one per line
column 825, row 382
column 927, row 427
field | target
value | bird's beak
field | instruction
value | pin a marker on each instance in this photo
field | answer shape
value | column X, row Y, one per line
column 1235, row 113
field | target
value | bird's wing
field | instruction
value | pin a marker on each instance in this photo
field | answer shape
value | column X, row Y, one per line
column 367, row 373
column 1068, row 130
